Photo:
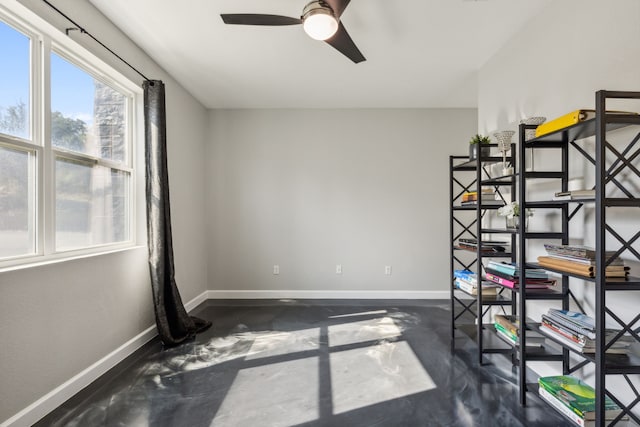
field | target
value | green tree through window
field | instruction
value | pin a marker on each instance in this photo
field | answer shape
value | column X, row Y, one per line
column 67, row 132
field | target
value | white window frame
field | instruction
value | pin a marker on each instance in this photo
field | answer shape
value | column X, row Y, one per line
column 46, row 40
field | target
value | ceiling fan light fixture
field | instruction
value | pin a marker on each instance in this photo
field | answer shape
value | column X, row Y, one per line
column 318, row 21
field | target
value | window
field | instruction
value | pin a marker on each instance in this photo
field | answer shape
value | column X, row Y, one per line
column 66, row 163
column 88, row 127
column 17, row 235
column 15, row 105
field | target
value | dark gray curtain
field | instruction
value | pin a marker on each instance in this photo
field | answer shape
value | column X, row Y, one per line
column 173, row 323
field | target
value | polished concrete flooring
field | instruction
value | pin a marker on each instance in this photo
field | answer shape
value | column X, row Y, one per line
column 310, row 363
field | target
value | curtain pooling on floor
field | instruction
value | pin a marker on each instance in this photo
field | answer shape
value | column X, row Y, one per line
column 173, row 323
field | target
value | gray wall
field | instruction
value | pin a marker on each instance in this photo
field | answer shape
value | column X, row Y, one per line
column 59, row 319
column 309, row 189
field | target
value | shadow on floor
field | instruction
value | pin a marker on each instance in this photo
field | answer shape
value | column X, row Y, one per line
column 310, row 363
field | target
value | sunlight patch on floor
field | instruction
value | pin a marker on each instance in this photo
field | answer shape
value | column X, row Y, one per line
column 363, row 331
column 365, row 376
column 278, row 394
column 361, row 313
column 277, row 343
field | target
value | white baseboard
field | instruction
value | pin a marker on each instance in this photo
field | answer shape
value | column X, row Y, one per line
column 297, row 294
column 56, row 397
column 196, row 301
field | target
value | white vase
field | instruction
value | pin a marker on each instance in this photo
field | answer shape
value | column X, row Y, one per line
column 514, row 223
column 504, row 145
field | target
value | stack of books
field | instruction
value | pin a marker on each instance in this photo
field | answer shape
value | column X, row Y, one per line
column 467, row 281
column 508, row 274
column 487, row 196
column 577, row 331
column 575, row 399
column 486, row 245
column 508, row 328
column 580, row 260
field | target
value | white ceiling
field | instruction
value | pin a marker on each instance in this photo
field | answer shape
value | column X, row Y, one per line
column 420, row 53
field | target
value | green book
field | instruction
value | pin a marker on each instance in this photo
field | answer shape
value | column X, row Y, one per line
column 577, row 395
column 507, row 332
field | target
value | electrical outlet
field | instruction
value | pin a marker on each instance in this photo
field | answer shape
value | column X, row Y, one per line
column 338, row 268
column 387, row 270
column 276, row 269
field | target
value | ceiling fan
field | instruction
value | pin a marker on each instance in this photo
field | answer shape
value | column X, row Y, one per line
column 320, row 20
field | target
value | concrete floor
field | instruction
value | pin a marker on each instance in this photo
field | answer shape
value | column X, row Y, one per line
column 310, row 363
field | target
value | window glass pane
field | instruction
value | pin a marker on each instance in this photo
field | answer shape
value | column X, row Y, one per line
column 87, row 116
column 15, row 49
column 16, row 203
column 91, row 205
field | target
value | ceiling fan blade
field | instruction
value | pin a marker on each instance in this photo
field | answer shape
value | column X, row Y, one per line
column 342, row 42
column 338, row 6
column 258, row 19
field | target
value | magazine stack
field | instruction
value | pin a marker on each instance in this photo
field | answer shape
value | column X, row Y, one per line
column 576, row 331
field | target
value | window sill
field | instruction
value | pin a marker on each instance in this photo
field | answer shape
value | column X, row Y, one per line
column 40, row 261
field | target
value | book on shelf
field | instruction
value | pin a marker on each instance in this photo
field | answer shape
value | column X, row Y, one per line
column 474, row 242
column 487, row 193
column 571, row 197
column 571, row 119
column 514, row 278
column 574, row 195
column 507, row 326
column 580, row 329
column 471, row 289
column 580, row 265
column 573, row 319
column 508, row 321
column 486, row 246
column 469, row 195
column 490, row 202
column 511, row 270
column 589, row 193
column 467, row 281
column 581, row 269
column 564, row 410
column 487, row 197
column 559, row 406
column 581, row 260
column 569, row 334
column 588, row 348
column 467, row 275
column 484, row 249
column 508, row 338
column 561, row 339
column 564, row 121
column 577, row 251
column 515, row 283
column 532, row 340
column 578, row 396
column 617, row 261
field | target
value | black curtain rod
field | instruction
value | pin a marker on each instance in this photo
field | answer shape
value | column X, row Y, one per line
column 83, row 31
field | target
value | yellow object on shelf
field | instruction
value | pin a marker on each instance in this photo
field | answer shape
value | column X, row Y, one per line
column 564, row 121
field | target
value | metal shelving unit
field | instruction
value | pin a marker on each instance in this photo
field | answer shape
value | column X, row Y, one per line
column 466, row 221
column 610, row 165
